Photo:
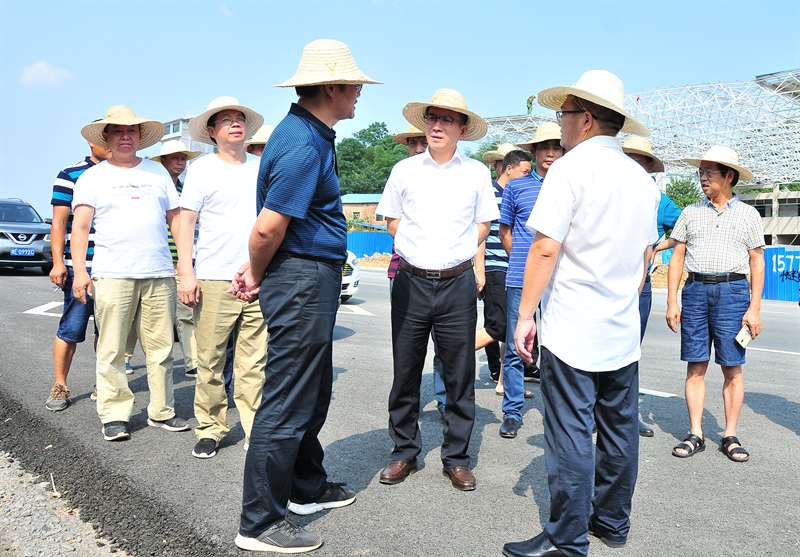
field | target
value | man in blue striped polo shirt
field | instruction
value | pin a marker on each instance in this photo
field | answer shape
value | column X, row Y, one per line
column 297, row 248
column 75, row 316
column 519, row 198
column 491, row 264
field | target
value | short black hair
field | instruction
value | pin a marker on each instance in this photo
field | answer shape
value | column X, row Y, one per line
column 311, row 91
column 725, row 169
column 513, row 158
column 610, row 120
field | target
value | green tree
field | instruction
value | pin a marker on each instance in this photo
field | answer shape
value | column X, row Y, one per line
column 683, row 191
column 366, row 159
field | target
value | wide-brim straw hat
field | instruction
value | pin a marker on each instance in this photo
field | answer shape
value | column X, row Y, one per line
column 326, row 61
column 150, row 130
column 451, row 100
column 722, row 154
column 600, row 87
column 642, row 146
column 499, row 153
column 412, row 131
column 198, row 126
column 174, row 146
column 261, row 136
column 546, row 131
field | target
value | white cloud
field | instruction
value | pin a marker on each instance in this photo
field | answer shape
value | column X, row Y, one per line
column 44, row 74
column 226, row 11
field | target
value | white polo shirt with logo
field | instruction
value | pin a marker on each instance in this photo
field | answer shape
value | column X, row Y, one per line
column 438, row 206
column 601, row 206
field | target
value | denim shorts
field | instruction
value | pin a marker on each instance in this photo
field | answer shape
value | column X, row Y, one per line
column 75, row 317
column 713, row 313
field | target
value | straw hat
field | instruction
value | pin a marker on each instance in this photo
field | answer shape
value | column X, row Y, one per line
column 198, row 126
column 408, row 134
column 174, row 146
column 451, row 100
column 325, row 61
column 722, row 154
column 121, row 115
column 642, row 146
column 500, row 153
column 261, row 136
column 546, row 131
column 600, row 87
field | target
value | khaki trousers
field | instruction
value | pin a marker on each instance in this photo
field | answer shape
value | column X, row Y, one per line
column 116, row 303
column 184, row 323
column 217, row 315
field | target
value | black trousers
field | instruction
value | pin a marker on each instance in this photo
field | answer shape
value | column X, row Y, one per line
column 449, row 307
column 299, row 299
column 589, row 483
column 494, row 316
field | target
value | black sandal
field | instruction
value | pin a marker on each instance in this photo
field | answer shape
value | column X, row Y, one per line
column 691, row 444
column 725, row 448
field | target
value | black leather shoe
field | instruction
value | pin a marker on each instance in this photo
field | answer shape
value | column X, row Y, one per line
column 509, row 428
column 645, row 430
column 540, row 546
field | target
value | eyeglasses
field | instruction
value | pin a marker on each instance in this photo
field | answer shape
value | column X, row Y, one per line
column 431, row 118
column 701, row 172
column 231, row 121
column 560, row 113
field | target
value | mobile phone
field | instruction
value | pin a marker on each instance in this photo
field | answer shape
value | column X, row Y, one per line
column 744, row 337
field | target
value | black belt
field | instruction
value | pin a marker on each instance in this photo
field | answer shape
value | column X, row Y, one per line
column 715, row 278
column 289, row 254
column 438, row 273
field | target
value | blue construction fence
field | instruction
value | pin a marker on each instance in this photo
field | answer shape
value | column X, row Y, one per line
column 781, row 272
column 369, row 243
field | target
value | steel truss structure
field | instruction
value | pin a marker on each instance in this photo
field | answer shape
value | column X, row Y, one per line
column 759, row 118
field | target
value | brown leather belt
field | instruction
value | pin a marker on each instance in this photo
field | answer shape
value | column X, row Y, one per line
column 438, row 273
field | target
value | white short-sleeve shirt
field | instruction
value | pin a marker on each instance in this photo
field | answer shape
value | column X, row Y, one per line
column 223, row 195
column 602, row 207
column 130, row 210
column 438, row 207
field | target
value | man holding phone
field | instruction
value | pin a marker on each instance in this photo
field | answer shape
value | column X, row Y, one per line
column 721, row 241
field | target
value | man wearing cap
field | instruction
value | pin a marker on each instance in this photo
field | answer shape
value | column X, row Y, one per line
column 297, row 248
column 132, row 200
column 491, row 263
column 720, row 241
column 174, row 156
column 415, row 142
column 438, row 206
column 255, row 145
column 640, row 150
column 75, row 316
column 588, row 282
column 519, row 199
column 218, row 193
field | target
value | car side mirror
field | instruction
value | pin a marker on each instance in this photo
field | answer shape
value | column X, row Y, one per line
column 48, row 221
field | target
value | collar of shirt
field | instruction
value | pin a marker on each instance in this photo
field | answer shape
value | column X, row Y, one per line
column 728, row 204
column 535, row 174
column 319, row 125
column 428, row 159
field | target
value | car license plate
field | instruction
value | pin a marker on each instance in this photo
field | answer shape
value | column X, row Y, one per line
column 23, row 252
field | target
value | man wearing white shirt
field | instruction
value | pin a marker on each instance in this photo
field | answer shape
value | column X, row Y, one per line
column 438, row 206
column 219, row 191
column 595, row 223
column 131, row 200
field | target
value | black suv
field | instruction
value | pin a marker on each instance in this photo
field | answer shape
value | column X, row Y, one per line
column 24, row 236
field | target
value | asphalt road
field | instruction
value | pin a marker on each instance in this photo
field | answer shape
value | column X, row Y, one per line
column 151, row 496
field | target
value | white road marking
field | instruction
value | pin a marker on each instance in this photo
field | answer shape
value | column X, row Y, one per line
column 659, row 394
column 354, row 310
column 44, row 309
column 773, row 351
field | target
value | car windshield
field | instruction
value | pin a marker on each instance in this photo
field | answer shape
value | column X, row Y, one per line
column 18, row 213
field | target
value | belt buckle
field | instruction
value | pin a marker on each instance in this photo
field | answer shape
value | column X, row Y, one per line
column 433, row 274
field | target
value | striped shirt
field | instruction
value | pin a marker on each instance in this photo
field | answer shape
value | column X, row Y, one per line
column 173, row 249
column 519, row 198
column 718, row 240
column 63, row 191
column 496, row 258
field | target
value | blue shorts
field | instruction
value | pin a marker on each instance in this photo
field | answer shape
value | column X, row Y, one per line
column 713, row 313
column 75, row 317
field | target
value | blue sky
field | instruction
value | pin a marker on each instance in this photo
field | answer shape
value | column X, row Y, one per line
column 64, row 63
